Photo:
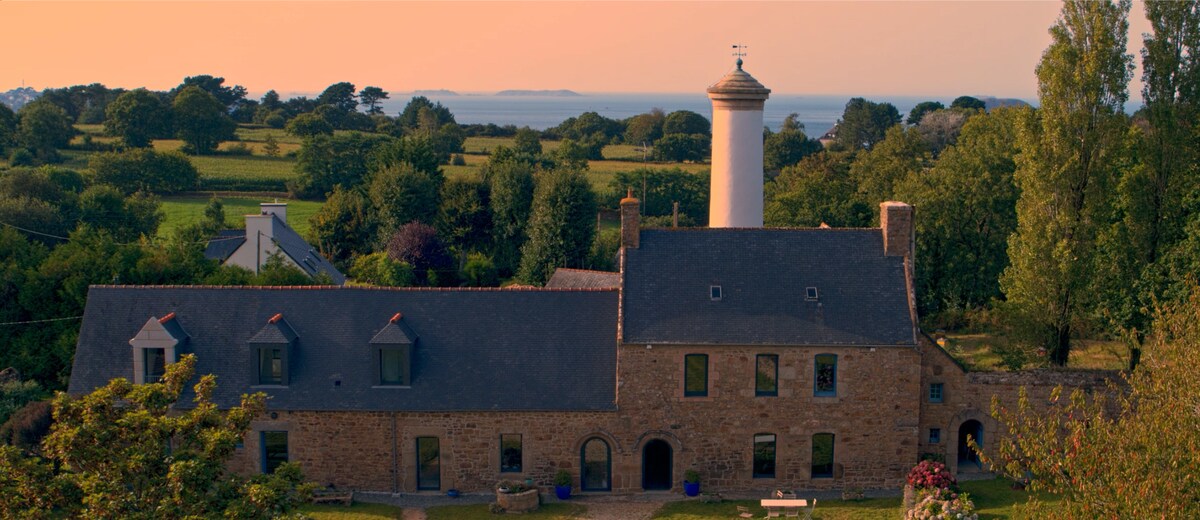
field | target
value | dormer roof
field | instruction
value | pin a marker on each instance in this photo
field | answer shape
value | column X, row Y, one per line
column 164, row 332
column 277, row 331
column 396, row 332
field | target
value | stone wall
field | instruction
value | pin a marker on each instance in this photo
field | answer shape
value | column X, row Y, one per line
column 968, row 396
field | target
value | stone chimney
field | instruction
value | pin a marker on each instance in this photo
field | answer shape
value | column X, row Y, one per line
column 896, row 221
column 279, row 209
column 631, row 221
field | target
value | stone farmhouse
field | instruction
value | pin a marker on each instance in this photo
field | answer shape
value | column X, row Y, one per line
column 762, row 358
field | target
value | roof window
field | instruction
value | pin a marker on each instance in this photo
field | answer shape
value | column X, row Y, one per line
column 810, row 294
column 714, row 292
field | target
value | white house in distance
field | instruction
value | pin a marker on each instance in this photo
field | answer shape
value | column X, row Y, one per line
column 267, row 234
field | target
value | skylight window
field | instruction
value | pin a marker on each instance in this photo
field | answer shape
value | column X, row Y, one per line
column 714, row 292
column 810, row 294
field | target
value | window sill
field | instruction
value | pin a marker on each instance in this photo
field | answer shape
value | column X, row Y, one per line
column 394, row 387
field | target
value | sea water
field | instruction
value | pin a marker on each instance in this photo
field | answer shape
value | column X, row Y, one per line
column 818, row 113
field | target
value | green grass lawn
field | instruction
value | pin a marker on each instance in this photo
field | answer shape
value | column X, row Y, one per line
column 358, row 511
column 187, row 209
column 480, row 512
column 994, row 499
column 976, row 351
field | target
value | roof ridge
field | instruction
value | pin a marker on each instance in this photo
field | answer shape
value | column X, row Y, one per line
column 355, row 287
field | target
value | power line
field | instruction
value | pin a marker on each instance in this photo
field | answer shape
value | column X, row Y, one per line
column 19, row 228
column 40, row 321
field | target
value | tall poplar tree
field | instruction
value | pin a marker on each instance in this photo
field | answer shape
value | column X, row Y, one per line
column 561, row 225
column 1066, row 166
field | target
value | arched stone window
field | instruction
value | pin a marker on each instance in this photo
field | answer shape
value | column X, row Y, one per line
column 595, row 459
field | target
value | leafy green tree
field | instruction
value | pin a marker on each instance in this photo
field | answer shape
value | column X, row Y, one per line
column 1066, row 168
column 271, row 146
column 940, row 128
column 339, row 95
column 968, row 103
column 527, row 142
column 663, row 188
column 1151, row 197
column 123, row 451
column 922, row 108
column 125, row 218
column 308, row 125
column 14, row 395
column 683, row 147
column 865, row 123
column 200, row 121
column 370, row 97
column 83, row 103
column 44, row 128
column 900, row 155
column 511, row 189
column 561, row 225
column 480, row 271
column 414, row 150
column 410, row 117
column 215, row 86
column 686, row 122
column 966, row 212
column 8, row 129
column 144, row 170
column 1130, row 452
column 137, row 117
column 787, row 147
column 378, row 269
column 464, row 217
column 817, row 190
column 644, row 129
column 343, row 228
column 401, row 194
column 327, row 161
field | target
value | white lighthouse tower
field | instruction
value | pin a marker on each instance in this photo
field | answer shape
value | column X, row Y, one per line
column 737, row 151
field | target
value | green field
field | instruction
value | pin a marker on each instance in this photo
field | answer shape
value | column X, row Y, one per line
column 358, row 511
column 976, row 351
column 189, row 209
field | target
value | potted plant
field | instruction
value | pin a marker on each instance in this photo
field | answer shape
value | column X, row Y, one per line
column 691, row 483
column 562, row 484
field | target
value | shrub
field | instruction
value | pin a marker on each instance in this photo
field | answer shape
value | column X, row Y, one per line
column 562, row 478
column 930, row 475
column 26, row 428
column 458, row 160
column 239, row 149
column 942, row 504
column 691, row 476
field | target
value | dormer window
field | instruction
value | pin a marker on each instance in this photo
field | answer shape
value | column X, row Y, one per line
column 714, row 293
column 272, row 348
column 394, row 351
column 156, row 345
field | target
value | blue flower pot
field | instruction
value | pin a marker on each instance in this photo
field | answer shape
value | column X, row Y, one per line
column 691, row 489
column 562, row 492
column 453, row 493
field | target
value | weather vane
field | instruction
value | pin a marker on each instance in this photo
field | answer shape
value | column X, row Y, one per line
column 739, row 51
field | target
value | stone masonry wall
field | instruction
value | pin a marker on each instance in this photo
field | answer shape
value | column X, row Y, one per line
column 968, row 396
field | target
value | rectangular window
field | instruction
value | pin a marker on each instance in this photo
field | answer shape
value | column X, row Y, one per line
column 764, row 455
column 695, row 375
column 155, row 363
column 510, row 453
column 429, row 470
column 935, row 392
column 391, row 367
column 822, row 455
column 935, row 435
column 274, row 450
column 714, row 293
column 766, row 375
column 270, row 366
column 825, row 375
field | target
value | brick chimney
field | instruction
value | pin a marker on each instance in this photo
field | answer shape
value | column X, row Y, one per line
column 896, row 221
column 631, row 221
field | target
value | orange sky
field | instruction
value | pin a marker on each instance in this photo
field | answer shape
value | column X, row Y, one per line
column 862, row 48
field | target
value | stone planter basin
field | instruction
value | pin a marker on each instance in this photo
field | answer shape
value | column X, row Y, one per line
column 522, row 502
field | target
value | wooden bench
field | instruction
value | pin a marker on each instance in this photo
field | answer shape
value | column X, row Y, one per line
column 325, row 496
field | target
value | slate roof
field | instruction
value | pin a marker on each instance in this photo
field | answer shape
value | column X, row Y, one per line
column 764, row 275
column 564, row 278
column 303, row 254
column 494, row 349
column 224, row 244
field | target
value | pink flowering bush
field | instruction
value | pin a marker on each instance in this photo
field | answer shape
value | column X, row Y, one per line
column 942, row 504
column 930, row 475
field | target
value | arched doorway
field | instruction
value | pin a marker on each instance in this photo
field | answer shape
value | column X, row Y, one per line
column 656, row 465
column 595, row 465
column 968, row 460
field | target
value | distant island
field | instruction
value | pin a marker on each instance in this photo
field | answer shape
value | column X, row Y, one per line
column 434, row 92
column 991, row 102
column 552, row 93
